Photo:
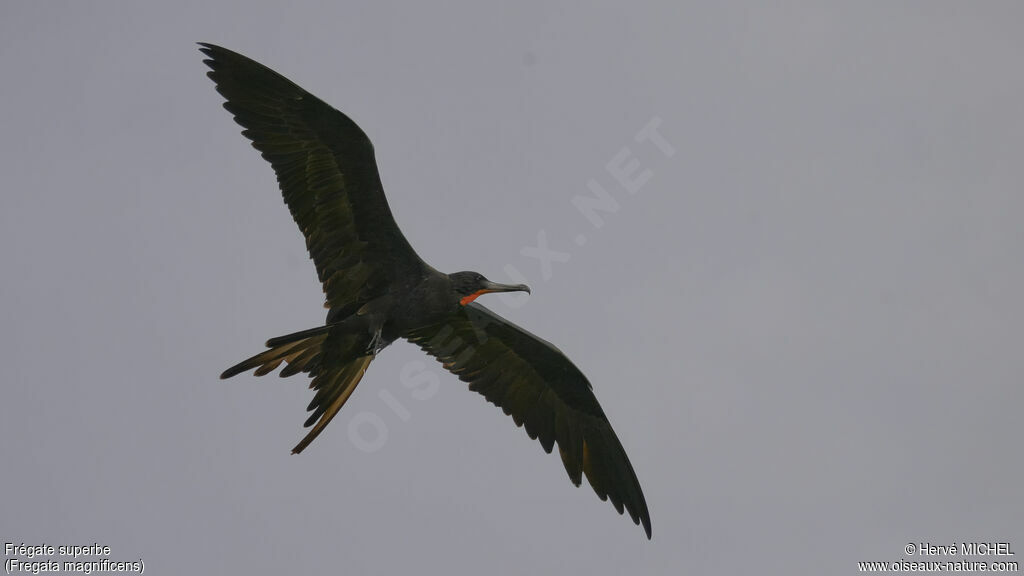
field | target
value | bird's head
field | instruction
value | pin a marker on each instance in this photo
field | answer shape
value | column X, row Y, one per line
column 469, row 285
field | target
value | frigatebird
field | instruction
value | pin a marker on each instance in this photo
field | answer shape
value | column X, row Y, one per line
column 378, row 289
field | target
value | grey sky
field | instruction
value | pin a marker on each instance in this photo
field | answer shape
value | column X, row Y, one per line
column 805, row 327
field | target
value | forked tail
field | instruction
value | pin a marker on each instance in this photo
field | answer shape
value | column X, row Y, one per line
column 336, row 363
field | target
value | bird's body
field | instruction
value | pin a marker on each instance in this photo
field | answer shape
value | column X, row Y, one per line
column 379, row 290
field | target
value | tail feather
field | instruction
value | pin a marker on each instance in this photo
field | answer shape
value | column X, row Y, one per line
column 335, row 372
column 341, row 383
column 268, row 360
column 300, row 335
column 302, row 362
column 267, row 368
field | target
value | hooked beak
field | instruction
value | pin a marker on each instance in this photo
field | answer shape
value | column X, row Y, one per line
column 490, row 287
column 495, row 287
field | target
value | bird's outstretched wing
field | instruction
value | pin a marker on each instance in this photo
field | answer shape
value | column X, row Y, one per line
column 543, row 391
column 327, row 172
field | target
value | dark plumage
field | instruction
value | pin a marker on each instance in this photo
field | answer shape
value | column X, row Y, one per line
column 378, row 289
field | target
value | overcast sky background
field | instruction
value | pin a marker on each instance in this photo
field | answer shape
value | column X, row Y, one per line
column 806, row 327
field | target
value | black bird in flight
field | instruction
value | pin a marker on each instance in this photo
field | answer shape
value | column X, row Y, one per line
column 378, row 289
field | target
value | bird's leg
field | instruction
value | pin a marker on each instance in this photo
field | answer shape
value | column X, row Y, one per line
column 372, row 326
column 376, row 342
column 366, row 321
